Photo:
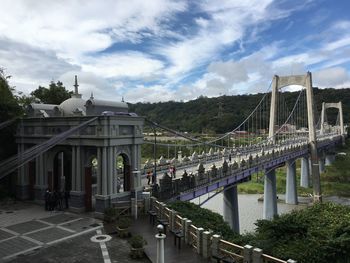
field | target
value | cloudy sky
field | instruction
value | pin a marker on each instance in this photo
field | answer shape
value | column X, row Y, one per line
column 159, row 50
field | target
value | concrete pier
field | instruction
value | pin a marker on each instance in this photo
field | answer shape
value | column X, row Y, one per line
column 231, row 214
column 270, row 196
column 291, row 185
column 321, row 163
column 305, row 172
column 330, row 158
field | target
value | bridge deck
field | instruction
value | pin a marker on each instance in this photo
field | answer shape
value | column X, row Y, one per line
column 171, row 253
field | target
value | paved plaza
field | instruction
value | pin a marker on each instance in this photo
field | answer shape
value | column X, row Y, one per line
column 26, row 227
column 30, row 234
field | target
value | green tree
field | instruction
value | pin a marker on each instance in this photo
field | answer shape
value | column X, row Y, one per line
column 9, row 109
column 55, row 94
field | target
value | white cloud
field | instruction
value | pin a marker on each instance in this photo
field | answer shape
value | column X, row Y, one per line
column 226, row 24
column 154, row 93
column 29, row 66
column 331, row 77
column 121, row 65
column 71, row 28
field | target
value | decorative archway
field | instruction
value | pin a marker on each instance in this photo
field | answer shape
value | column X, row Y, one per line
column 123, row 172
column 59, row 174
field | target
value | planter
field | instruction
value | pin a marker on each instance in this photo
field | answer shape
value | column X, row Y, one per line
column 123, row 232
column 137, row 252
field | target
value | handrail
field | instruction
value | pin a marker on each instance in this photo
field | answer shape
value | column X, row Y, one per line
column 272, row 259
column 231, row 244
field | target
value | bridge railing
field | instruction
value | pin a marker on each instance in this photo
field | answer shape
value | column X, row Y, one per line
column 208, row 244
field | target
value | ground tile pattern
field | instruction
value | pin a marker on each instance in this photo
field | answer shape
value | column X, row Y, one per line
column 80, row 225
column 59, row 219
column 5, row 235
column 49, row 235
column 14, row 246
column 27, row 227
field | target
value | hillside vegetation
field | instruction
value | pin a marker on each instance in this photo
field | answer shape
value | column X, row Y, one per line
column 201, row 115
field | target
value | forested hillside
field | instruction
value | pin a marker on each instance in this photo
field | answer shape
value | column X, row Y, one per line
column 202, row 114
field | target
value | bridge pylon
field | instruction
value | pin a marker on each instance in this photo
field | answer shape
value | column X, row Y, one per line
column 306, row 81
column 338, row 106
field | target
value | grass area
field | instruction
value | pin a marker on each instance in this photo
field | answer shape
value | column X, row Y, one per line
column 335, row 181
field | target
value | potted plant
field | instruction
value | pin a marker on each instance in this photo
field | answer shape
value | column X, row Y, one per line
column 123, row 224
column 137, row 250
column 110, row 215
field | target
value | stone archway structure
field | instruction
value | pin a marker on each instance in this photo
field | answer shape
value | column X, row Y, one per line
column 114, row 132
column 306, row 81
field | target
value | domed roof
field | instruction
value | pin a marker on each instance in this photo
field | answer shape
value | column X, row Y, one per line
column 75, row 104
column 69, row 106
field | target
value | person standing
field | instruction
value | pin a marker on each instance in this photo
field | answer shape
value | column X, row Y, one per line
column 47, row 196
column 149, row 177
column 66, row 198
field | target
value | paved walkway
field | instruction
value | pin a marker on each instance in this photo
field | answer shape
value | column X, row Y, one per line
column 26, row 227
column 172, row 253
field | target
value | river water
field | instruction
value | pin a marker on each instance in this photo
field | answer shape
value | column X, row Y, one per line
column 250, row 209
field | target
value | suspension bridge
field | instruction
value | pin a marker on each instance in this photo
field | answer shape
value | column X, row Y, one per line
column 56, row 149
column 273, row 135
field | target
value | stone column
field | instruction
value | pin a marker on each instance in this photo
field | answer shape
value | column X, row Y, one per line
column 304, row 171
column 291, row 187
column 110, row 171
column 257, row 255
column 78, row 165
column 215, row 245
column 247, row 253
column 114, row 169
column 199, row 233
column 98, row 172
column 186, row 225
column 231, row 213
column 270, row 197
column 74, row 169
column 206, row 244
column 104, row 171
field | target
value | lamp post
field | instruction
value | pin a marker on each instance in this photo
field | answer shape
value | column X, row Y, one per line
column 160, row 244
column 154, row 177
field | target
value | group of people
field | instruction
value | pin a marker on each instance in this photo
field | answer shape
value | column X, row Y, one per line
column 54, row 200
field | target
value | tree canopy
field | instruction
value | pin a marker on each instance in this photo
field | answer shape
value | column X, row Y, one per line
column 55, row 94
column 9, row 109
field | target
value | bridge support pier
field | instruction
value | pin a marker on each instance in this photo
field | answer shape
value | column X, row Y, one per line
column 321, row 163
column 270, row 197
column 291, row 187
column 305, row 172
column 231, row 214
column 329, row 159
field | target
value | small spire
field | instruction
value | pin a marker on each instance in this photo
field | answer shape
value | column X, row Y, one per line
column 122, row 98
column 92, row 96
column 76, row 85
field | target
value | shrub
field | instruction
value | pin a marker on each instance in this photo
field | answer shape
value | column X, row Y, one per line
column 110, row 214
column 137, row 241
column 124, row 222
